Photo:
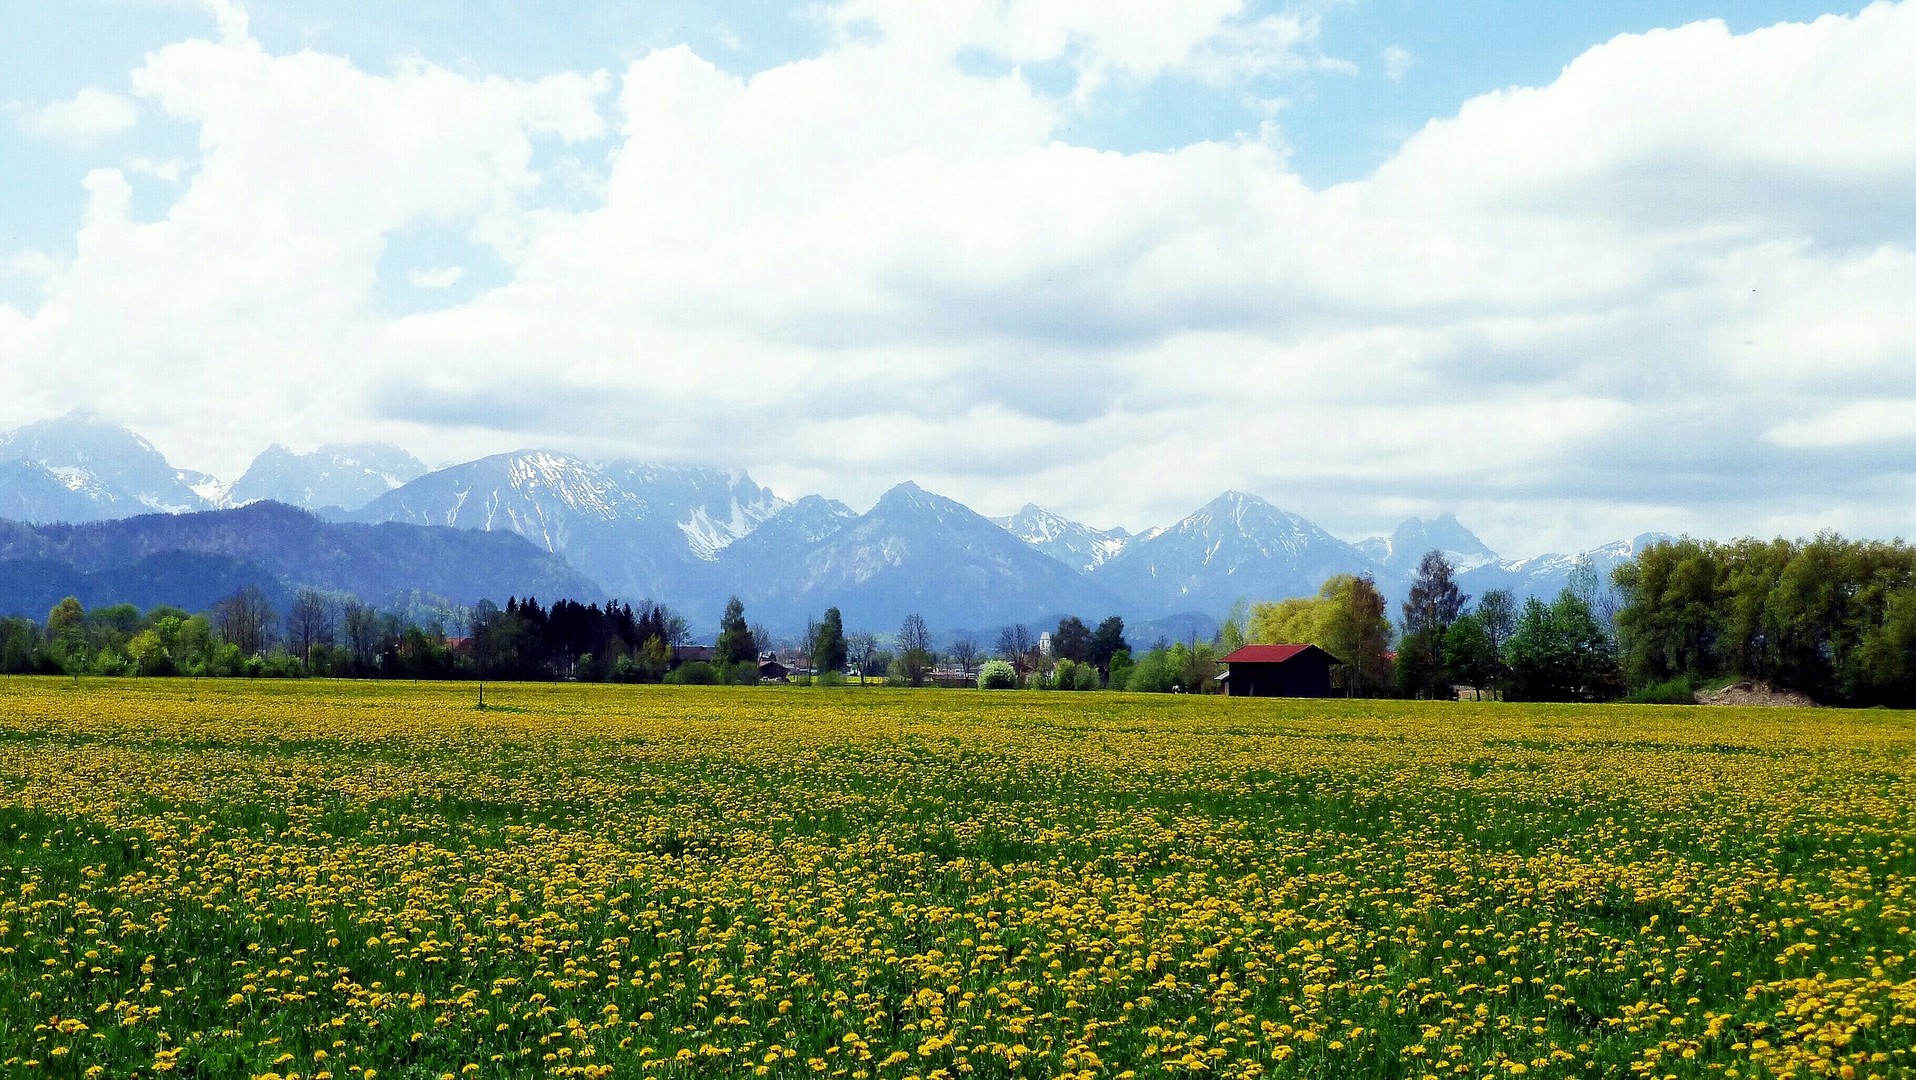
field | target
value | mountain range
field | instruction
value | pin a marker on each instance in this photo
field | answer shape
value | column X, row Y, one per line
column 191, row 560
column 689, row 537
column 334, row 478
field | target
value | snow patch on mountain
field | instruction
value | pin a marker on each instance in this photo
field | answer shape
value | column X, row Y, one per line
column 1544, row 576
column 210, row 488
column 343, row 476
column 1401, row 551
column 1237, row 546
column 644, row 531
column 1076, row 545
column 914, row 552
column 118, row 473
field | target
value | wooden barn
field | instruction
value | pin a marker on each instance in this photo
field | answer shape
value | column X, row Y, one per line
column 1278, row 671
column 688, row 654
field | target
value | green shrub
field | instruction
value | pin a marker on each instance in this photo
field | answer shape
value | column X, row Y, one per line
column 1073, row 675
column 696, row 673
column 830, row 678
column 1154, row 674
column 1064, row 676
column 1677, row 691
column 997, row 675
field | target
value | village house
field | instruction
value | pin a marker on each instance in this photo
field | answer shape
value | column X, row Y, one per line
column 1278, row 671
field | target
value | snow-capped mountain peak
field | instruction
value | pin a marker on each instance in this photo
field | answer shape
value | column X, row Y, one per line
column 643, row 530
column 712, row 507
column 347, row 476
column 1401, row 551
column 1078, row 546
column 571, row 482
column 1236, row 524
column 1237, row 546
column 115, row 471
column 913, row 552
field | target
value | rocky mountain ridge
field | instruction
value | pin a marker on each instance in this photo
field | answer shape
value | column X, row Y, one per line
column 689, row 536
column 335, row 477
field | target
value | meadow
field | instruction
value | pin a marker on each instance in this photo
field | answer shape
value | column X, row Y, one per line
column 328, row 880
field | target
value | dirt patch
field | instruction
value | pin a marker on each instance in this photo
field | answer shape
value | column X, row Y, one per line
column 1756, row 693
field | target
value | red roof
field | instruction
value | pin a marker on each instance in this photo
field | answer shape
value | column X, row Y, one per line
column 1265, row 654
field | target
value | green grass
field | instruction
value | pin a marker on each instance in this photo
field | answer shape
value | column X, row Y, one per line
column 368, row 876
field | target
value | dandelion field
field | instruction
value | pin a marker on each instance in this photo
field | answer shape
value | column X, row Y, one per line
column 357, row 880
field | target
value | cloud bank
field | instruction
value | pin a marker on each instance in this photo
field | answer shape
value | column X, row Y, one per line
column 1669, row 289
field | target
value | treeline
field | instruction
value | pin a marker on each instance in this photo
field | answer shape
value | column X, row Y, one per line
column 615, row 643
column 1834, row 619
column 1561, row 650
column 1075, row 656
column 1829, row 617
column 241, row 637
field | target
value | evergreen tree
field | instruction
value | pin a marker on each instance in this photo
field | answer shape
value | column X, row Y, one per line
column 1106, row 642
column 829, row 649
column 735, row 642
column 1072, row 641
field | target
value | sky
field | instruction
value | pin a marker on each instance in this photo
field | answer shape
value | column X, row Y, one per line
column 1574, row 272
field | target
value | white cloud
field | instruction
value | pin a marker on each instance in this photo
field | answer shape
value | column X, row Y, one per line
column 36, row 265
column 1214, row 40
column 438, row 277
column 1397, row 62
column 1572, row 311
column 84, row 120
column 169, row 170
column 229, row 15
column 1856, row 424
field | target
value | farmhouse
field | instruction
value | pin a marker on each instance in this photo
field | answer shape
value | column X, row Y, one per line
column 690, row 654
column 1278, row 671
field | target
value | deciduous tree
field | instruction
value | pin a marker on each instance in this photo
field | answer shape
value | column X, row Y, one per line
column 860, row 648
column 244, row 620
column 309, row 623
column 1433, row 604
column 964, row 652
column 1015, row 645
column 1357, row 632
column 1072, row 641
column 915, row 657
